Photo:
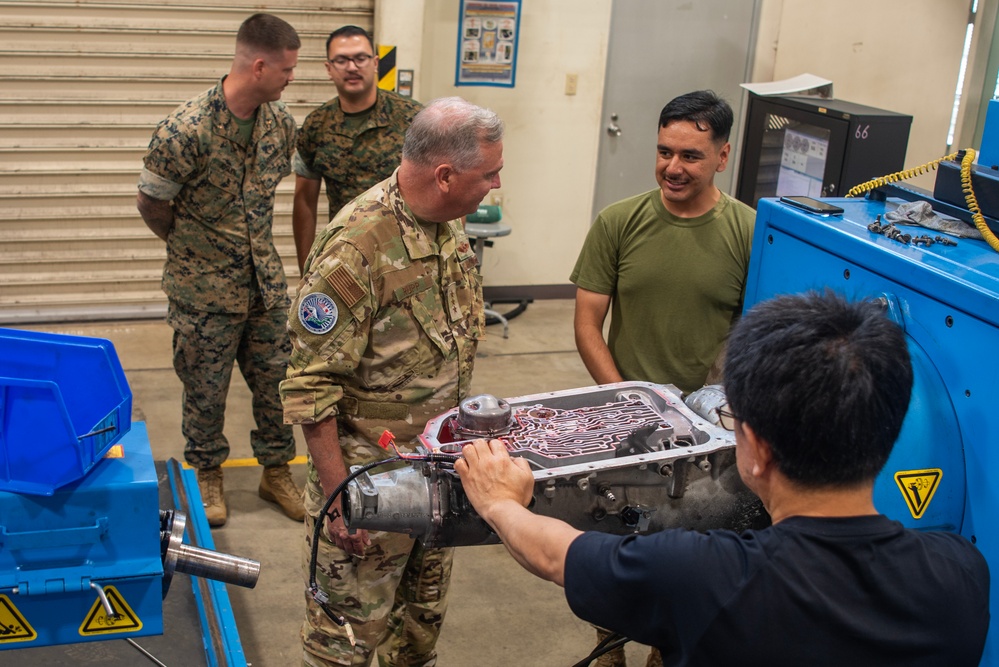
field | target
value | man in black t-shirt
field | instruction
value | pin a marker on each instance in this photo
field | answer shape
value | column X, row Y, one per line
column 817, row 391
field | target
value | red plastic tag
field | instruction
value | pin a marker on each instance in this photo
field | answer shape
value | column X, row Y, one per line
column 386, row 439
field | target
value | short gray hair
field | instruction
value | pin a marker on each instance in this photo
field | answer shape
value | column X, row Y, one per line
column 451, row 130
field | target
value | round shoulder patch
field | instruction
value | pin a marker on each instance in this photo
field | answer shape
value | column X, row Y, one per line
column 317, row 312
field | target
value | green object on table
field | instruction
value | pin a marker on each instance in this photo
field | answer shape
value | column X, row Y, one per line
column 486, row 213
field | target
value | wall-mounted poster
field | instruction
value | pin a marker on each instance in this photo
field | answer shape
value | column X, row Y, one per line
column 488, row 33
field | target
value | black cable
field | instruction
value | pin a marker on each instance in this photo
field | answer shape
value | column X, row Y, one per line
column 609, row 643
column 319, row 596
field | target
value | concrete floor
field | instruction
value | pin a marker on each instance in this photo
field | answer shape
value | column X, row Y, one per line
column 499, row 614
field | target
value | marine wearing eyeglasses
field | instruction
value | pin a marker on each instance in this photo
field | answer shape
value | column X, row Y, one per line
column 352, row 141
column 359, row 61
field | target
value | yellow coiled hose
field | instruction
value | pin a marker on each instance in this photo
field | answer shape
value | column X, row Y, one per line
column 969, row 193
column 898, row 176
column 969, row 198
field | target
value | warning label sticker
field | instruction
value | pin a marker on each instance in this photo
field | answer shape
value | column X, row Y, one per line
column 918, row 487
column 13, row 626
column 98, row 622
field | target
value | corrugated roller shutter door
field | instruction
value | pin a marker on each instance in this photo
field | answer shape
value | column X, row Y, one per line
column 82, row 86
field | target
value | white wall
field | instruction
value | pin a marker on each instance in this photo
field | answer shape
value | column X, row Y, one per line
column 399, row 23
column 900, row 55
column 550, row 148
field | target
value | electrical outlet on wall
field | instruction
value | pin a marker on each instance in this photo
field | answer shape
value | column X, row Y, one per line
column 571, row 81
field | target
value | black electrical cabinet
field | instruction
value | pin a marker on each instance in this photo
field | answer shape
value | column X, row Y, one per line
column 816, row 147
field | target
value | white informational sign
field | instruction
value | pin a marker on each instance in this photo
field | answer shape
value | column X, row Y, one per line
column 487, row 43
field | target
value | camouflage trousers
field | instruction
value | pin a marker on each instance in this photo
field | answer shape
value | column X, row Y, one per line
column 394, row 598
column 616, row 657
column 205, row 347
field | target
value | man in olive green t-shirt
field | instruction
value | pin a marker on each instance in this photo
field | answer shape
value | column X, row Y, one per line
column 669, row 264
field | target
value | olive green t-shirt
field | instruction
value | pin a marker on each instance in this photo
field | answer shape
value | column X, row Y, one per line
column 676, row 284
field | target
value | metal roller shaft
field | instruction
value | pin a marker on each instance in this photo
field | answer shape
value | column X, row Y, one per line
column 204, row 563
column 209, row 564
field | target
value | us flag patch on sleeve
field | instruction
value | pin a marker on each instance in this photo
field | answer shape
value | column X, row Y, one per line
column 345, row 285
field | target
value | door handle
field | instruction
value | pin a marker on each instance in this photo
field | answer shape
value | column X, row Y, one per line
column 613, row 128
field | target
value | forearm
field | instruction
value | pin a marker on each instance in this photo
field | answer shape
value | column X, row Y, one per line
column 157, row 214
column 500, row 489
column 538, row 543
column 304, row 213
column 327, row 457
column 596, row 355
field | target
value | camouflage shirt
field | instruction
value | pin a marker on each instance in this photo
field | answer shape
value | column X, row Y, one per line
column 352, row 160
column 385, row 323
column 222, row 190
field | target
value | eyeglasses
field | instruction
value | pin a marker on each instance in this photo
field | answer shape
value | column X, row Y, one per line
column 360, row 60
column 726, row 419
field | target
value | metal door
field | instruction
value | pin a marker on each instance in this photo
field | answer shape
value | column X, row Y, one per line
column 659, row 49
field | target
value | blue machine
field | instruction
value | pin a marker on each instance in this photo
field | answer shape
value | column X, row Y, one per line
column 940, row 474
column 86, row 553
column 58, row 550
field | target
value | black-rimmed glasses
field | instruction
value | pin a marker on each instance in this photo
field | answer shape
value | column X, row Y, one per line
column 726, row 419
column 360, row 60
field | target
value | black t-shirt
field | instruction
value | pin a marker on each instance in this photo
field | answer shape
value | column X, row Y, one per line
column 840, row 592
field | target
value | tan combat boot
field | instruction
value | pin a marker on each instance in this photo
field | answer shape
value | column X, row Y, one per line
column 277, row 486
column 210, row 485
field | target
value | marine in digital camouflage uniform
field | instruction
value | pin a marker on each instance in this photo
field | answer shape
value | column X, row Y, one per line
column 384, row 331
column 351, row 142
column 215, row 176
column 351, row 159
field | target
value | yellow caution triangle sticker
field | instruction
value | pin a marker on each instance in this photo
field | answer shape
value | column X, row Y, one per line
column 918, row 487
column 98, row 622
column 13, row 626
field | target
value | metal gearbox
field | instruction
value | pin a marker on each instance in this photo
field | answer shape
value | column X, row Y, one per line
column 630, row 457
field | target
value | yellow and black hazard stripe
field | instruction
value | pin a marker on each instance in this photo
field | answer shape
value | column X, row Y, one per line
column 386, row 67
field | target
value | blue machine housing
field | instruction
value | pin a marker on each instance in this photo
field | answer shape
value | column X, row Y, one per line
column 946, row 298
column 80, row 519
column 100, row 530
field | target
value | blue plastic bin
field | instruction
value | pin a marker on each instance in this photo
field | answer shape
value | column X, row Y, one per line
column 64, row 402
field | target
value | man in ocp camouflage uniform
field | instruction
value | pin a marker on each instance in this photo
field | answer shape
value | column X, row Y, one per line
column 207, row 189
column 384, row 331
column 352, row 141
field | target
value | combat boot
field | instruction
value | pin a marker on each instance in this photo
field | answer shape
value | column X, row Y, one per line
column 277, row 486
column 614, row 657
column 210, row 485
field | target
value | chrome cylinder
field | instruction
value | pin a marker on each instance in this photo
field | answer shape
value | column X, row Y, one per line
column 199, row 562
column 210, row 564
